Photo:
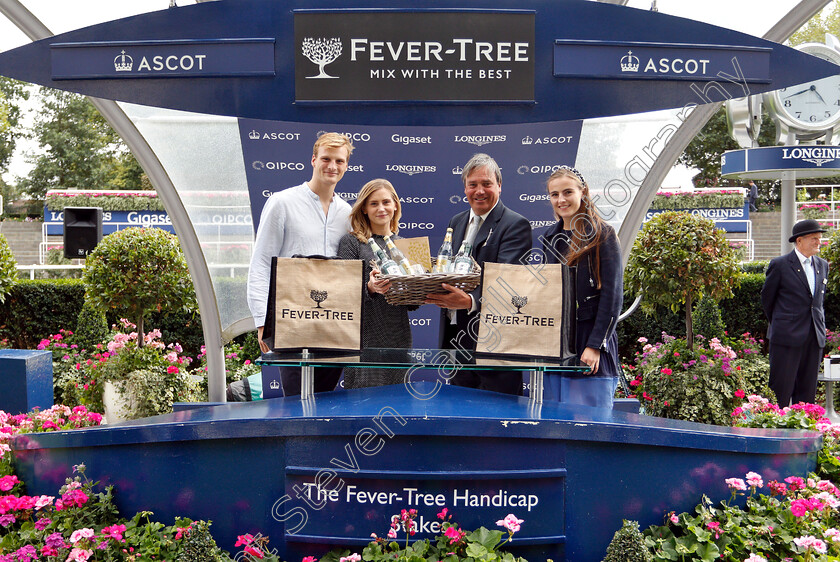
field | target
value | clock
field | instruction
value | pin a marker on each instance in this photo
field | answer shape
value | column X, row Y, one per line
column 811, row 110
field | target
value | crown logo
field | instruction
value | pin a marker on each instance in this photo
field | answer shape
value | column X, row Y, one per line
column 254, row 135
column 123, row 62
column 457, row 171
column 528, row 140
column 629, row 62
column 274, row 385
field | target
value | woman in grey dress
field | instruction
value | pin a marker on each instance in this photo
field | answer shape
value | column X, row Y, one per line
column 376, row 214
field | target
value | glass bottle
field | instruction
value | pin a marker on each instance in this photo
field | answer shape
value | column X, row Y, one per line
column 398, row 256
column 444, row 255
column 386, row 264
column 463, row 261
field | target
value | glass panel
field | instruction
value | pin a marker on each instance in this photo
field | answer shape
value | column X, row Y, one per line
column 202, row 155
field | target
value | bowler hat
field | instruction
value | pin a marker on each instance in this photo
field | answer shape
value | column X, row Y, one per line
column 807, row 226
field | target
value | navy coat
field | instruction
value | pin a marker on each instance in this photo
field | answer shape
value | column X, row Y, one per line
column 504, row 237
column 788, row 303
column 597, row 309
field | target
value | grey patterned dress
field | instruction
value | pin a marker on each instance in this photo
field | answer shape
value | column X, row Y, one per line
column 383, row 325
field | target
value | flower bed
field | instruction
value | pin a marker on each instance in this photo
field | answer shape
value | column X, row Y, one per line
column 720, row 199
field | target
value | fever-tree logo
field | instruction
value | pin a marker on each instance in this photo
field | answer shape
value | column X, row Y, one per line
column 321, row 51
column 318, row 297
column 518, row 302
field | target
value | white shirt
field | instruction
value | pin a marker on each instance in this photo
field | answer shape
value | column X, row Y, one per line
column 809, row 269
column 292, row 222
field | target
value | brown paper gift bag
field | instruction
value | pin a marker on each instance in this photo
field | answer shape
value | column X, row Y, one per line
column 314, row 303
column 522, row 314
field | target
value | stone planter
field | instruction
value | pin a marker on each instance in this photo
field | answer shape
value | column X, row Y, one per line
column 118, row 406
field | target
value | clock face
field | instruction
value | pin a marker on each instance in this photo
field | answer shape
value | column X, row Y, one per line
column 813, row 105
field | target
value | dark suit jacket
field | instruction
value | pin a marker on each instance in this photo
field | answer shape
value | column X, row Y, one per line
column 788, row 304
column 504, row 237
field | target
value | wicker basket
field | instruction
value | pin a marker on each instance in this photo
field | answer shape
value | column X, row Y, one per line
column 413, row 289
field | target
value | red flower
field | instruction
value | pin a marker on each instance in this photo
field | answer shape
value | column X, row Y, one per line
column 739, row 393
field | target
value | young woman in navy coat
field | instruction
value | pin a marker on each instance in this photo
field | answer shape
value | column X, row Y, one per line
column 583, row 241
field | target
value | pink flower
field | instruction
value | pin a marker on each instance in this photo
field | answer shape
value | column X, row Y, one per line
column 442, row 514
column 172, row 369
column 392, row 533
column 800, row 507
column 352, row 558
column 243, row 540
column 674, row 518
column 453, row 534
column 511, row 523
column 714, row 526
column 255, row 552
column 795, row 483
column 114, row 532
column 736, row 484
column 666, row 371
column 754, row 480
column 806, row 542
column 739, row 393
column 8, row 482
column 309, row 559
column 79, row 555
column 80, row 534
column 755, row 558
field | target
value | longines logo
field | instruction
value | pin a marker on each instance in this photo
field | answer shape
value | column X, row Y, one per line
column 818, row 155
column 539, row 169
column 529, row 140
column 321, row 52
column 480, row 140
column 273, row 135
column 409, row 169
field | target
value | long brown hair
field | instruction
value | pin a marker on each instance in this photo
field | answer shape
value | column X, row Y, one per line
column 359, row 221
column 587, row 226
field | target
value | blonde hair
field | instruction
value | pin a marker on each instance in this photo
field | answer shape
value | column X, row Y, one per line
column 587, row 226
column 333, row 140
column 359, row 221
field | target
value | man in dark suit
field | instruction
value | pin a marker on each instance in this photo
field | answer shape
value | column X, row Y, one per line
column 792, row 298
column 498, row 235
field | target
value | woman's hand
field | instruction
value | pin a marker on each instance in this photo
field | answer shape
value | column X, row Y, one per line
column 377, row 285
column 591, row 357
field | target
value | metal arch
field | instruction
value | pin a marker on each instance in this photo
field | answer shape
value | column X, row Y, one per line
column 792, row 21
column 18, row 14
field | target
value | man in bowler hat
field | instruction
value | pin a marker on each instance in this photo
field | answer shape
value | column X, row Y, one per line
column 792, row 299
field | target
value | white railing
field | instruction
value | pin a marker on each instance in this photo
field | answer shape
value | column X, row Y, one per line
column 231, row 268
column 747, row 237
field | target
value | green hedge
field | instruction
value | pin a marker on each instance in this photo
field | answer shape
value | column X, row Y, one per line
column 34, row 310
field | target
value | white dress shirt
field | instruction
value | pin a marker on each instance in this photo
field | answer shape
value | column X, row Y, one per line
column 292, row 222
column 808, row 268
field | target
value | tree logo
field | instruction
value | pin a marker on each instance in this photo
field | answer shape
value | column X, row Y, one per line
column 318, row 297
column 321, row 51
column 518, row 302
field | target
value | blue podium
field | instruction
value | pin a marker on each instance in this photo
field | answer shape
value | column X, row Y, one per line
column 330, row 469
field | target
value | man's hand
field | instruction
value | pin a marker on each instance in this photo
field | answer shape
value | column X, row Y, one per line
column 263, row 347
column 455, row 299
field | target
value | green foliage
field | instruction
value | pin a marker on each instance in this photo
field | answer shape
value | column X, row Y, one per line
column 198, row 545
column 757, row 266
column 8, row 269
column 12, row 92
column 722, row 199
column 137, row 270
column 35, row 309
column 676, row 259
column 706, row 148
column 703, row 384
column 91, row 327
column 707, row 319
column 628, row 545
column 831, row 252
column 825, row 21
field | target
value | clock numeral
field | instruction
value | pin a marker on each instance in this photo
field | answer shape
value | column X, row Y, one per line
column 813, row 119
column 787, row 103
column 827, row 114
column 799, row 115
column 837, row 102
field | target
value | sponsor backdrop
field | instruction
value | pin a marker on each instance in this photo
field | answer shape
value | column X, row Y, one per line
column 424, row 164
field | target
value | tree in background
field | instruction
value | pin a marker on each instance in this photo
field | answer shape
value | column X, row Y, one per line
column 12, row 93
column 678, row 258
column 8, row 269
column 80, row 149
column 136, row 271
column 826, row 21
